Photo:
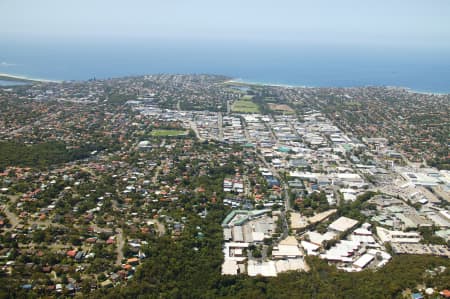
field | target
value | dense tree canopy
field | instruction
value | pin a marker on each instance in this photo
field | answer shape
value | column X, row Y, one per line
column 42, row 154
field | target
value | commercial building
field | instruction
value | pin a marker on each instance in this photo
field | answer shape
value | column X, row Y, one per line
column 342, row 224
column 386, row 235
column 287, row 248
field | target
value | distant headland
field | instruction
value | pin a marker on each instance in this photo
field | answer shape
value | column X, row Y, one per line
column 8, row 77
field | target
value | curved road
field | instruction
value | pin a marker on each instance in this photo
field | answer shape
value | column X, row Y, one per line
column 13, row 219
column 120, row 242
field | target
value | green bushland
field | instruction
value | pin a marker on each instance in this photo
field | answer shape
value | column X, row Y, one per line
column 42, row 154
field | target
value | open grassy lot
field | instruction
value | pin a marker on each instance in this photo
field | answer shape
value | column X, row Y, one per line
column 247, row 97
column 244, row 106
column 168, row 133
column 281, row 108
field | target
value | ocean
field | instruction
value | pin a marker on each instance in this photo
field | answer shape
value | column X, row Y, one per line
column 425, row 70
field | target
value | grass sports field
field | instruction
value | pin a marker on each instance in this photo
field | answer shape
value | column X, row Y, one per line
column 168, row 133
column 244, row 106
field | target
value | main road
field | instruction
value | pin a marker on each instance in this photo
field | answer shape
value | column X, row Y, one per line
column 120, row 242
column 195, row 129
column 220, row 125
column 284, row 186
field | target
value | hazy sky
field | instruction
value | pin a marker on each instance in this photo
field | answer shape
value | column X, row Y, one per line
column 379, row 22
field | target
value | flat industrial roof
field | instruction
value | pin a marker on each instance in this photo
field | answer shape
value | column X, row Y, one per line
column 229, row 267
column 265, row 268
column 342, row 224
column 363, row 261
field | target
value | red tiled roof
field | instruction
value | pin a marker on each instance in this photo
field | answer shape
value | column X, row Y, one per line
column 72, row 253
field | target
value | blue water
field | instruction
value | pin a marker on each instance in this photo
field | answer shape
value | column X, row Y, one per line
column 290, row 64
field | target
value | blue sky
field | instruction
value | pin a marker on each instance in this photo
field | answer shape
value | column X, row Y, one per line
column 396, row 23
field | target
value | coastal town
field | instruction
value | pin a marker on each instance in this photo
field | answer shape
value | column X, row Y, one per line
column 97, row 177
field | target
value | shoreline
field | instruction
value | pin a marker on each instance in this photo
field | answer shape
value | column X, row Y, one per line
column 25, row 79
column 245, row 82
column 9, row 77
column 407, row 89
